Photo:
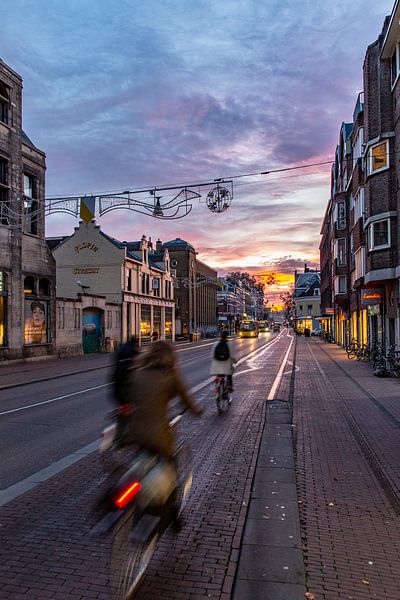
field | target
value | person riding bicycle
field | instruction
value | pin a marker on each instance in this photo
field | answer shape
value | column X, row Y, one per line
column 223, row 359
column 154, row 383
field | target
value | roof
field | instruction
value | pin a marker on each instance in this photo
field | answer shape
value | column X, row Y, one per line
column 306, row 283
column 27, row 140
column 53, row 242
column 178, row 244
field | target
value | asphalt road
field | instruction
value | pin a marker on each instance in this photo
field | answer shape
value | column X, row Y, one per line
column 46, row 421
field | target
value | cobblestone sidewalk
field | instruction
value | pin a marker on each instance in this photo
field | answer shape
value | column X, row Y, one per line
column 347, row 468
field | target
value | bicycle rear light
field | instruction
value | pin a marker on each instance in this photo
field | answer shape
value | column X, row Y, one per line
column 128, row 494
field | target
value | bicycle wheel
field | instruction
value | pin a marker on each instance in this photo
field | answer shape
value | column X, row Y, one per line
column 184, row 467
column 129, row 558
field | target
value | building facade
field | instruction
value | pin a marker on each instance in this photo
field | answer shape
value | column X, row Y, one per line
column 27, row 269
column 196, row 290
column 240, row 296
column 360, row 255
column 307, row 300
column 133, row 278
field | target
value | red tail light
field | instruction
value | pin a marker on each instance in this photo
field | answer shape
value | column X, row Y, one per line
column 127, row 494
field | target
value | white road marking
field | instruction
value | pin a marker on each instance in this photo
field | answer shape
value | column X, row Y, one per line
column 27, row 484
column 278, row 378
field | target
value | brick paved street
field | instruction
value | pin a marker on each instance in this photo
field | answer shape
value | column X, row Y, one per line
column 346, row 452
column 46, row 551
column 347, row 424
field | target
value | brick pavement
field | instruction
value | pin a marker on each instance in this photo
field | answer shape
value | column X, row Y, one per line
column 347, row 462
column 45, row 549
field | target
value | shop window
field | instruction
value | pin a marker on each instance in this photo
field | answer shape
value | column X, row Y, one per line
column 168, row 323
column 379, row 235
column 378, row 157
column 3, row 308
column 145, row 322
column 36, row 312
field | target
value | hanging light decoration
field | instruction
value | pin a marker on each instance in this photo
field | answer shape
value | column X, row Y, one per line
column 218, row 199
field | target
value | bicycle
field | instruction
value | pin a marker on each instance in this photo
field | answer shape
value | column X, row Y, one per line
column 143, row 497
column 223, row 395
column 363, row 353
column 352, row 349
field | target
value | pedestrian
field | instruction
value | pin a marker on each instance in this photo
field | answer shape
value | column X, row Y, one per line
column 223, row 359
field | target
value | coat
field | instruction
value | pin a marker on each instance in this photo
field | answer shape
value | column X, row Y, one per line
column 150, row 392
column 222, row 367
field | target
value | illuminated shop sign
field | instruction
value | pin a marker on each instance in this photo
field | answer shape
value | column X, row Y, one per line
column 371, row 296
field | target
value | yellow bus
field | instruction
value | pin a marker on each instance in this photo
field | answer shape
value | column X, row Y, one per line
column 263, row 326
column 248, row 329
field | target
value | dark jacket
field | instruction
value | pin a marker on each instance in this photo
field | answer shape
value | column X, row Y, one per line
column 150, row 391
column 123, row 363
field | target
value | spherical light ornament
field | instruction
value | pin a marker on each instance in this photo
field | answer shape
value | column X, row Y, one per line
column 218, row 199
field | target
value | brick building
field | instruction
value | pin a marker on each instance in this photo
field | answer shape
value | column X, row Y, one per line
column 196, row 291
column 27, row 269
column 360, row 256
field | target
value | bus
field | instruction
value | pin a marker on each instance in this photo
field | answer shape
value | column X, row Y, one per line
column 248, row 329
column 263, row 326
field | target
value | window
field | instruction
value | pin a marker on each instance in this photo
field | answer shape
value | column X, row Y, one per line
column 395, row 64
column 359, row 263
column 4, row 193
column 352, row 246
column 378, row 157
column 379, row 235
column 309, row 310
column 156, row 286
column 31, row 205
column 3, row 308
column 359, row 205
column 341, row 215
column 342, row 284
column 317, row 291
column 129, row 285
column 341, row 257
column 61, row 317
column 4, row 103
column 301, row 310
column 44, row 287
column 77, row 318
column 358, row 145
column 29, row 285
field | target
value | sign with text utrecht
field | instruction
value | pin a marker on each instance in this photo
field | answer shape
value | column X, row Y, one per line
column 371, row 296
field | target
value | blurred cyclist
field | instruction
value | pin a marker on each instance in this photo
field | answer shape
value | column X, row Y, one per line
column 223, row 359
column 154, row 383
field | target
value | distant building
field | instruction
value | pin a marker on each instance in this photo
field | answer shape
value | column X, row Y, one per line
column 196, row 290
column 240, row 296
column 130, row 279
column 27, row 269
column 307, row 300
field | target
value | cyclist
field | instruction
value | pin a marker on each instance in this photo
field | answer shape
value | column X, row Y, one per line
column 223, row 359
column 154, row 383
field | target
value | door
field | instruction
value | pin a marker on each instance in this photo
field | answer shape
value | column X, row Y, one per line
column 91, row 330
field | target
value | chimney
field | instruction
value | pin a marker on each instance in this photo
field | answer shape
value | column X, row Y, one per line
column 159, row 247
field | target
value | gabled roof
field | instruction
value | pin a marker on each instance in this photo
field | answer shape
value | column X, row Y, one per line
column 307, row 283
column 27, row 141
column 53, row 242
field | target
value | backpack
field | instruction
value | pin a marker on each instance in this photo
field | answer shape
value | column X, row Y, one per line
column 221, row 351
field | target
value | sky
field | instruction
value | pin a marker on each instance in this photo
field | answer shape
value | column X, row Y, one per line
column 125, row 94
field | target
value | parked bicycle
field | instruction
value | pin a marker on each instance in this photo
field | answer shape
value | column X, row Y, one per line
column 143, row 496
column 223, row 395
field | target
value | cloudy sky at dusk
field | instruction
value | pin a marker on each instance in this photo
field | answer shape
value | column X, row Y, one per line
column 143, row 93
